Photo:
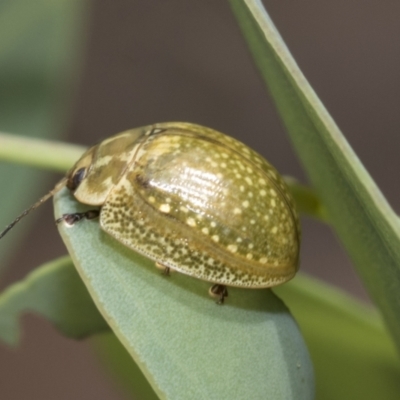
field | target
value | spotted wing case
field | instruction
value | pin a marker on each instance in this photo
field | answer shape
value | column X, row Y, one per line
column 199, row 202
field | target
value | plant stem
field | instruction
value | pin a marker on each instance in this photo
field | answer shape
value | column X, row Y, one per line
column 60, row 156
column 307, row 200
column 45, row 154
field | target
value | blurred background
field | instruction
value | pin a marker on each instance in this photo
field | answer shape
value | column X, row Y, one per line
column 153, row 61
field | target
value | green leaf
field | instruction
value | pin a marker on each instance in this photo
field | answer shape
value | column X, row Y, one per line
column 336, row 327
column 40, row 43
column 56, row 292
column 353, row 355
column 121, row 367
column 359, row 213
column 186, row 345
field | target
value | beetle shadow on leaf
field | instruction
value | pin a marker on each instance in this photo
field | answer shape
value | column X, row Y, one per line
column 189, row 291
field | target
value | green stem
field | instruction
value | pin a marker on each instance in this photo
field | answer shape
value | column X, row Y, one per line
column 60, row 156
column 45, row 154
column 307, row 201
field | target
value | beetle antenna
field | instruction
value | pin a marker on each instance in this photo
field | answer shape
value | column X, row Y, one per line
column 52, row 192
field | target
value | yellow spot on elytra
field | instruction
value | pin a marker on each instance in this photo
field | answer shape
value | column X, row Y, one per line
column 165, row 208
column 273, row 202
column 263, row 260
column 241, row 188
column 245, row 204
column 184, row 209
column 272, row 191
column 223, row 165
column 262, row 181
column 249, row 256
column 274, row 229
column 266, row 217
column 191, row 222
column 237, row 211
column 213, row 224
column 263, row 192
column 232, row 248
column 215, row 238
column 250, row 246
column 205, row 231
column 248, row 180
column 152, row 199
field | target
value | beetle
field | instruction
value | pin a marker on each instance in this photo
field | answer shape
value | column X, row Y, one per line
column 193, row 200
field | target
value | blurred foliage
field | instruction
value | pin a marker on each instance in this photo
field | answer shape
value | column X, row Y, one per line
column 40, row 54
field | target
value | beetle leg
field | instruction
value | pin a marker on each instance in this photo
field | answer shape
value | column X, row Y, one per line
column 165, row 270
column 71, row 219
column 219, row 291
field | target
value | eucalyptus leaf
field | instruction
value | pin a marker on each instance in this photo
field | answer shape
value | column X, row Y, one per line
column 335, row 326
column 353, row 355
column 56, row 292
column 119, row 363
column 185, row 344
column 360, row 215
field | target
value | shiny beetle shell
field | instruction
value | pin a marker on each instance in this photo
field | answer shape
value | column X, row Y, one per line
column 194, row 200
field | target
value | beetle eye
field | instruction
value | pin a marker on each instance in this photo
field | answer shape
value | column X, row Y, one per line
column 76, row 179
